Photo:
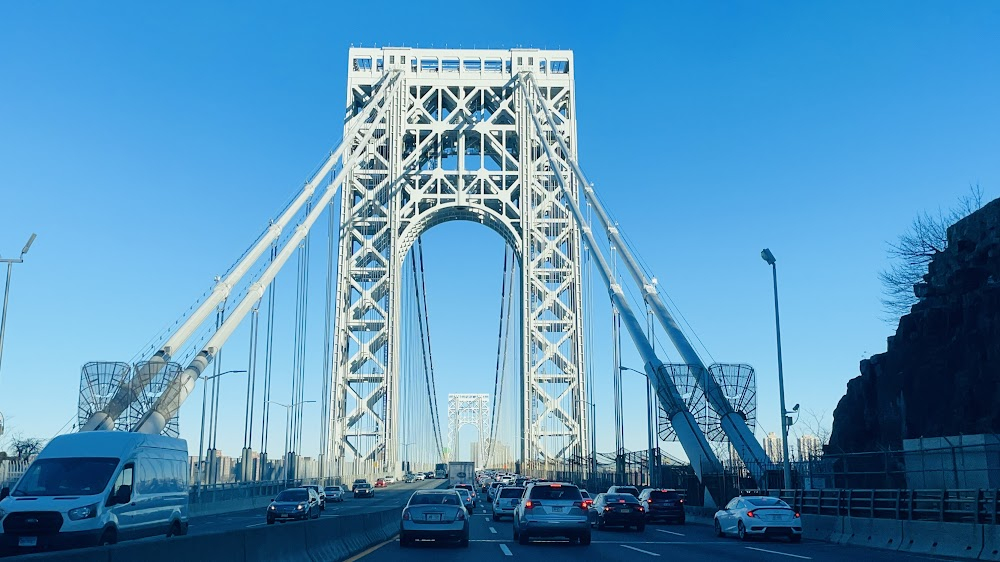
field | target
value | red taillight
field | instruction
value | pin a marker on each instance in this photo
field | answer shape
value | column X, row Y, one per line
column 621, row 501
column 797, row 515
column 556, row 485
column 680, row 501
column 642, row 508
column 649, row 500
column 750, row 514
column 530, row 504
column 406, row 515
column 607, row 509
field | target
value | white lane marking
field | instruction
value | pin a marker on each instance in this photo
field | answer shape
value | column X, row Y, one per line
column 492, row 530
column 640, row 550
column 671, row 532
column 777, row 552
column 256, row 525
column 506, row 551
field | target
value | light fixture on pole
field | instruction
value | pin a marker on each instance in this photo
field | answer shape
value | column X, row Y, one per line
column 201, row 437
column 649, row 421
column 288, row 422
column 769, row 258
column 6, row 292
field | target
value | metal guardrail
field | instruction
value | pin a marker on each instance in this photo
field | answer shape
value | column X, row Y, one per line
column 967, row 506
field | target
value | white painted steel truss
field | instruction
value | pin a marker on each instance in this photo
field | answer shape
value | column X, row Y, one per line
column 457, row 143
column 469, row 409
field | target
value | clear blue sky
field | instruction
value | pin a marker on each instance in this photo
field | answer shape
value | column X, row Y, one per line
column 148, row 145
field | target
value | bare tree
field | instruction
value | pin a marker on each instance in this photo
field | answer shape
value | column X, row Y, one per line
column 25, row 447
column 913, row 250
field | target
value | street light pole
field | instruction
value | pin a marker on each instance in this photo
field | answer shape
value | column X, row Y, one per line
column 201, row 436
column 6, row 292
column 288, row 442
column 769, row 258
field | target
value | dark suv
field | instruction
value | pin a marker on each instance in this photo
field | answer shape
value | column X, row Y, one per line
column 663, row 505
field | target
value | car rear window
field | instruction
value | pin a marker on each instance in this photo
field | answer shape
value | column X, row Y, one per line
column 620, row 498
column 464, row 486
column 766, row 502
column 434, row 499
column 627, row 490
column 664, row 495
column 556, row 492
column 511, row 492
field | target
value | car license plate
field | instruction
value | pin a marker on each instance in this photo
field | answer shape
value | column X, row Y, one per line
column 557, row 510
column 27, row 541
column 624, row 510
column 432, row 517
column 283, row 515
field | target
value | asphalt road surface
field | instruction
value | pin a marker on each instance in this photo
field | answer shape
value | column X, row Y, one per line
column 494, row 541
column 395, row 495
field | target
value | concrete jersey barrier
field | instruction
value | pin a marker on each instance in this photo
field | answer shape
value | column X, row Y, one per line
column 328, row 538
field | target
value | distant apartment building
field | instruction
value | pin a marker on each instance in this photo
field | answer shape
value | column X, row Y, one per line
column 773, row 447
column 810, row 447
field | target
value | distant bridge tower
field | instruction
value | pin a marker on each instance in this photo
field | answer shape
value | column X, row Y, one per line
column 469, row 409
column 457, row 143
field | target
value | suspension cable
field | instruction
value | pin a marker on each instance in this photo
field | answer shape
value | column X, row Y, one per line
column 426, row 345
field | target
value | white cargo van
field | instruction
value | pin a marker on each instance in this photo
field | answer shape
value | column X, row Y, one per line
column 94, row 488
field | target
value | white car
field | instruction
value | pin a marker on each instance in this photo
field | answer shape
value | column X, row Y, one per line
column 390, row 479
column 418, row 476
column 758, row 516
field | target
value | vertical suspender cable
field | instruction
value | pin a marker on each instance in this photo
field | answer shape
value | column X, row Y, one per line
column 268, row 349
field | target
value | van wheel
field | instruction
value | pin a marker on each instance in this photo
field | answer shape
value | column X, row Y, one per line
column 174, row 530
column 109, row 537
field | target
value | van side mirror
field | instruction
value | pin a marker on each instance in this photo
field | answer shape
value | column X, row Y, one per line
column 4, row 492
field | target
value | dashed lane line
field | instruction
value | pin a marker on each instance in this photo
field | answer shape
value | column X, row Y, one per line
column 640, row 550
column 778, row 552
column 506, row 551
column 671, row 532
column 492, row 530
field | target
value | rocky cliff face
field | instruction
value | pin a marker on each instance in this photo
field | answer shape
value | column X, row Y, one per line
column 940, row 375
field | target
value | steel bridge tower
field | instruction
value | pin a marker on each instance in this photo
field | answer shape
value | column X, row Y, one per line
column 469, row 409
column 457, row 143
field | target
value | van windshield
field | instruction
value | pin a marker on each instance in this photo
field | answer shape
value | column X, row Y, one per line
column 66, row 477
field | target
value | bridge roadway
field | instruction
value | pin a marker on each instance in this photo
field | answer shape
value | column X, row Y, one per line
column 395, row 495
column 493, row 541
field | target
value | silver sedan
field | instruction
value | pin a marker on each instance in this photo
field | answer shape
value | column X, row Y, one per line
column 758, row 516
column 434, row 514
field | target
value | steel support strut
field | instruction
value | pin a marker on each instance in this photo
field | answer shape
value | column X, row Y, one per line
column 179, row 388
column 735, row 427
column 695, row 444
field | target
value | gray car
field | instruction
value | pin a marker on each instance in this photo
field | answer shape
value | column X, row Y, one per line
column 507, row 499
column 334, row 493
column 434, row 514
column 551, row 509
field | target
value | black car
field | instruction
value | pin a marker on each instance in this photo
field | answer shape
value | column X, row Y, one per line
column 618, row 510
column 292, row 504
column 364, row 490
column 663, row 505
